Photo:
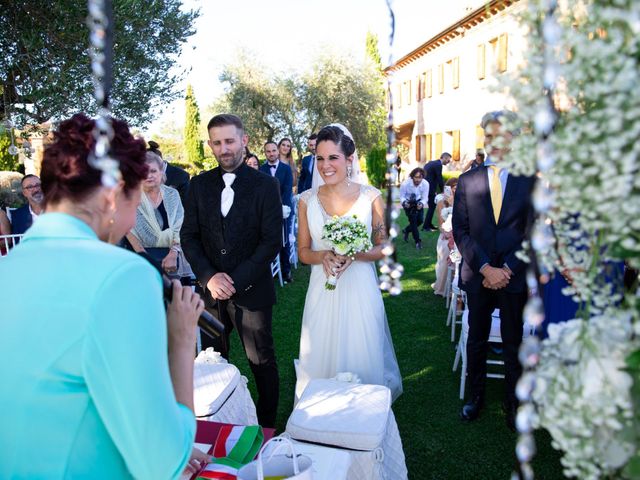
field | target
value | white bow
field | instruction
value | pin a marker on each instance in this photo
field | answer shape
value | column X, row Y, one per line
column 227, row 193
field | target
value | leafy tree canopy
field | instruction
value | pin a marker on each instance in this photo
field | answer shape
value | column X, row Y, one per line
column 45, row 71
column 338, row 88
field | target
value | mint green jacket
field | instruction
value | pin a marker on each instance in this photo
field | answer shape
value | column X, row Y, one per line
column 85, row 390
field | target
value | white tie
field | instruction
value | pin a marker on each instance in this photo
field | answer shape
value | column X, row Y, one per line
column 227, row 193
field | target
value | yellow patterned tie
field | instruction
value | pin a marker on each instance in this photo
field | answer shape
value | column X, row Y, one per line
column 496, row 192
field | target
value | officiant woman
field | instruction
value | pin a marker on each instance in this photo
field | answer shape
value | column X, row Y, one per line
column 88, row 389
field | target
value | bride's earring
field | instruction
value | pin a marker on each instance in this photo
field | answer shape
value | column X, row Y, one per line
column 348, row 175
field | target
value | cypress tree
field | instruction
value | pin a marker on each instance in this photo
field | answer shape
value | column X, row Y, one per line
column 192, row 143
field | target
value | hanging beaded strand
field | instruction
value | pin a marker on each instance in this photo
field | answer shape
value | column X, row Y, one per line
column 542, row 241
column 390, row 270
column 100, row 22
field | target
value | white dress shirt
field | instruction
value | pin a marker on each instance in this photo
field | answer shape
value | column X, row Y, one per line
column 504, row 174
column 271, row 167
column 421, row 191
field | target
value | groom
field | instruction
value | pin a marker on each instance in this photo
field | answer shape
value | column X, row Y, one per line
column 232, row 231
column 491, row 214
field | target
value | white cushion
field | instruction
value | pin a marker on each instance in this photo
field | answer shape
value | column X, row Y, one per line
column 341, row 414
column 213, row 383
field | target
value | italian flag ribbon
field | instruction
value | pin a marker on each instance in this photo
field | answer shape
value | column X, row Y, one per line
column 234, row 447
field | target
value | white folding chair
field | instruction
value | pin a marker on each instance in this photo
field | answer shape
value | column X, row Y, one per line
column 7, row 242
column 276, row 269
column 293, row 244
column 494, row 337
column 452, row 314
column 447, row 285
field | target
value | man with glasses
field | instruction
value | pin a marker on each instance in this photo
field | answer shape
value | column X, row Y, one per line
column 23, row 217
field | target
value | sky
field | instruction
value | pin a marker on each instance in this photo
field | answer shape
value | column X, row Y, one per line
column 285, row 35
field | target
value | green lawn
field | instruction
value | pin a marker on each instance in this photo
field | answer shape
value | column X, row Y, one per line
column 436, row 443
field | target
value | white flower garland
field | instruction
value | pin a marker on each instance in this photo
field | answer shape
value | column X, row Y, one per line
column 592, row 181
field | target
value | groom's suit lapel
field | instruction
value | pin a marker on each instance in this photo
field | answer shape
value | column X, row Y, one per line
column 211, row 205
column 483, row 182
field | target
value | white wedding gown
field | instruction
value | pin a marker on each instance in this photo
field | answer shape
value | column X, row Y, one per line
column 345, row 330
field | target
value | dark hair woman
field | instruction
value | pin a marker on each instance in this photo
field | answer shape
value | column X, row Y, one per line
column 95, row 387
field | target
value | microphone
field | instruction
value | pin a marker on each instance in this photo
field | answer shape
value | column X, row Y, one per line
column 207, row 322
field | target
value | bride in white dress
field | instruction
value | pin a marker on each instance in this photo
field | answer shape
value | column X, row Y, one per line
column 343, row 330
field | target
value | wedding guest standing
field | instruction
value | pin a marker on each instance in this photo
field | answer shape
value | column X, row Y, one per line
column 285, row 155
column 105, row 389
column 275, row 168
column 433, row 175
column 231, row 233
column 308, row 164
column 491, row 213
column 252, row 161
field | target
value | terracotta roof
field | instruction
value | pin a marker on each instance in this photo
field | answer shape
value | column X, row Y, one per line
column 474, row 18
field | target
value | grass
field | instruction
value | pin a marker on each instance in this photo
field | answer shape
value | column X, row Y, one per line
column 436, row 443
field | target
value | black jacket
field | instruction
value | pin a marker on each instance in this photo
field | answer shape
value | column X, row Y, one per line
column 178, row 179
column 433, row 175
column 243, row 244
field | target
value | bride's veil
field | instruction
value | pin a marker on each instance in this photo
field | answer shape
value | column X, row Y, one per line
column 356, row 174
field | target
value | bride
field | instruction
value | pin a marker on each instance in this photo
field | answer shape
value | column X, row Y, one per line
column 343, row 330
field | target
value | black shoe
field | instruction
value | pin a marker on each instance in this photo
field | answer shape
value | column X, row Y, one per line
column 471, row 410
column 510, row 410
column 406, row 235
column 429, row 229
column 418, row 245
column 287, row 279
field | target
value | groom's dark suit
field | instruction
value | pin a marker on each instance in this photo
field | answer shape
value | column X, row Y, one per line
column 242, row 245
column 481, row 240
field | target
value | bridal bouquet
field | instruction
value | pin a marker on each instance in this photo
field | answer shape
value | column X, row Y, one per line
column 347, row 236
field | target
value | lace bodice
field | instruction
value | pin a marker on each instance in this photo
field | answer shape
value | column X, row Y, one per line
column 317, row 216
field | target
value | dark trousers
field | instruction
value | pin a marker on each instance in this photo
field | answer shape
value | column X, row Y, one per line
column 254, row 328
column 481, row 305
column 285, row 251
column 415, row 220
column 428, row 221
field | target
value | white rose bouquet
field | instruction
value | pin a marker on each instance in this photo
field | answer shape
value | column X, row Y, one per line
column 347, row 236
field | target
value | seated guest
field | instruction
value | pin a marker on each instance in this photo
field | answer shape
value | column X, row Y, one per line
column 158, row 219
column 176, row 176
column 105, row 388
column 23, row 217
column 414, row 193
column 444, row 202
column 252, row 161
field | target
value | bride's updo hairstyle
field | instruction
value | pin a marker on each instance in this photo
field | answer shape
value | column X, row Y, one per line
column 337, row 136
column 66, row 173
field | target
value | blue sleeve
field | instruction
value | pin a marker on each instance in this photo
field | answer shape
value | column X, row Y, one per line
column 126, row 369
column 287, row 192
